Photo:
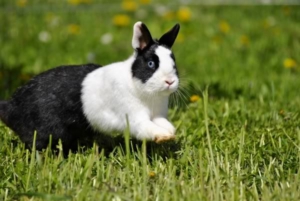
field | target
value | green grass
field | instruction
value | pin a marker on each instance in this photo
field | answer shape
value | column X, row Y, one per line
column 240, row 141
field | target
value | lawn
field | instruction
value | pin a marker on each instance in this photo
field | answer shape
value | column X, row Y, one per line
column 237, row 114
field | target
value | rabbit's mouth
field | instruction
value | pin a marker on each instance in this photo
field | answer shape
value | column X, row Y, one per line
column 169, row 89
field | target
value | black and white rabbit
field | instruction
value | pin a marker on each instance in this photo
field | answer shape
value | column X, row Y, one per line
column 75, row 102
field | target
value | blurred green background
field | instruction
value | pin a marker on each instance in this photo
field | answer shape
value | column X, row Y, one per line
column 238, row 50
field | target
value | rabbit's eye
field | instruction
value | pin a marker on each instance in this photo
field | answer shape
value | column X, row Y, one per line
column 151, row 64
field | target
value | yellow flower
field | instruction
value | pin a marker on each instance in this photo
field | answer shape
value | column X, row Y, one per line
column 74, row 2
column 49, row 17
column 121, row 20
column 289, row 63
column 21, row 3
column 244, row 40
column 129, row 5
column 217, row 39
column 151, row 174
column 86, row 1
column 145, row 1
column 184, row 14
column 194, row 98
column 281, row 112
column 286, row 10
column 73, row 29
column 224, row 27
column 276, row 31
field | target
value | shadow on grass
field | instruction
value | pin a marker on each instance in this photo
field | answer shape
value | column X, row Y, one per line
column 108, row 145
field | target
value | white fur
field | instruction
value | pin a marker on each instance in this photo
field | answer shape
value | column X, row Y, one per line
column 136, row 35
column 110, row 93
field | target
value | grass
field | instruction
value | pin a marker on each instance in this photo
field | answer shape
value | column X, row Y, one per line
column 239, row 141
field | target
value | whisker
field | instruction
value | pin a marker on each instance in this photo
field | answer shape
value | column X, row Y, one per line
column 183, row 93
column 183, row 97
column 176, row 99
column 179, row 97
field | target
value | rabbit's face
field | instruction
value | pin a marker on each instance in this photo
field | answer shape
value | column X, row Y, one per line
column 154, row 70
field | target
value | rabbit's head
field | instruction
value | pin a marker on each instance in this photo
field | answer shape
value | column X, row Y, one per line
column 154, row 69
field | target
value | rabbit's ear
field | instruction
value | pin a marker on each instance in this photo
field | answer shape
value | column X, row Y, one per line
column 168, row 38
column 141, row 36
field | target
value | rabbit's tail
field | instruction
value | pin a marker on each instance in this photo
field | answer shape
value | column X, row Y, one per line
column 3, row 110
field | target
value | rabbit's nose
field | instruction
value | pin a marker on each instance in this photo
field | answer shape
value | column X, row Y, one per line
column 169, row 82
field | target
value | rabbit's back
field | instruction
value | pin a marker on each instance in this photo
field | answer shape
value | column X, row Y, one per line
column 50, row 104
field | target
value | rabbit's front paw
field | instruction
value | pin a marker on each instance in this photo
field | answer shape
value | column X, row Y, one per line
column 162, row 135
column 164, row 123
column 164, row 138
column 151, row 131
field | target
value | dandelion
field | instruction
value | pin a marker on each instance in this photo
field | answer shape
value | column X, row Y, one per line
column 44, row 36
column 86, row 1
column 21, row 3
column 49, row 16
column 289, row 63
column 90, row 57
column 52, row 19
column 217, row 39
column 281, row 112
column 161, row 10
column 194, row 98
column 116, row 198
column 269, row 22
column 141, row 14
column 244, row 40
column 224, row 27
column 106, row 38
column 74, row 2
column 145, row 1
column 73, row 29
column 151, row 174
column 129, row 5
column 286, row 10
column 184, row 14
column 121, row 20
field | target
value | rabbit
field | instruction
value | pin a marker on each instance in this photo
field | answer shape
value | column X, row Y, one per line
column 75, row 102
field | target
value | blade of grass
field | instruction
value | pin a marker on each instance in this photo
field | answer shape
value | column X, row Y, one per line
column 32, row 162
column 215, row 175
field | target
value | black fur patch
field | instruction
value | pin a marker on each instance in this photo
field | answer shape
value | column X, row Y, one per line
column 3, row 109
column 50, row 103
column 140, row 67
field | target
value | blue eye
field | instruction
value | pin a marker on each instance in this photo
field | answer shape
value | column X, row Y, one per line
column 151, row 64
